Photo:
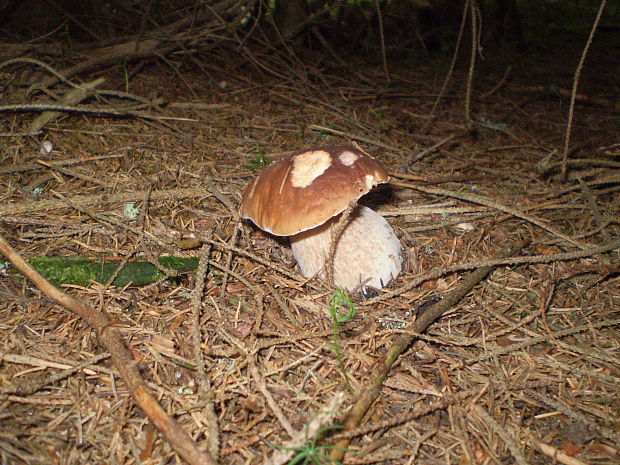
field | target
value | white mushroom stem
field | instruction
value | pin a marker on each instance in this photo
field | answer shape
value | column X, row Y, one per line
column 367, row 251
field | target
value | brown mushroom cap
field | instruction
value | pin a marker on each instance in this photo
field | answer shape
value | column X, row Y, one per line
column 307, row 188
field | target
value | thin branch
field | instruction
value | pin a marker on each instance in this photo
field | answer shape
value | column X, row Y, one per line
column 262, row 387
column 438, row 272
column 508, row 438
column 490, row 203
column 99, row 199
column 442, row 91
column 205, row 392
column 369, row 393
column 472, row 60
column 571, row 109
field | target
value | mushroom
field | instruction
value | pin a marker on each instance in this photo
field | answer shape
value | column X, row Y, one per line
column 302, row 196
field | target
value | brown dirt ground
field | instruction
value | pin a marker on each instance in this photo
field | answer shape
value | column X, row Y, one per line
column 533, row 349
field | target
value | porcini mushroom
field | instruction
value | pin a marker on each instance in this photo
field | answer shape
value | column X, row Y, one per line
column 302, row 195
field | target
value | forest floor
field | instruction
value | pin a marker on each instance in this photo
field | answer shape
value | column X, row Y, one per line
column 523, row 369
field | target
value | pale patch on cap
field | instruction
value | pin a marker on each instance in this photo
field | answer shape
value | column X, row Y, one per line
column 308, row 166
column 370, row 181
column 347, row 158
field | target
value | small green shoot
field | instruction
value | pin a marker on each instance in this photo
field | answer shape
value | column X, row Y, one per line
column 239, row 303
column 337, row 301
column 310, row 453
column 123, row 64
column 257, row 163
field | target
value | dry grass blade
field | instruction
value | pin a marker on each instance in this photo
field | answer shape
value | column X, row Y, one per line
column 111, row 338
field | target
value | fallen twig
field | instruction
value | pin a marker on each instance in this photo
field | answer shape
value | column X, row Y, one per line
column 490, row 203
column 440, row 404
column 38, row 165
column 85, row 109
column 369, row 393
column 99, row 199
column 506, row 436
column 70, row 98
column 556, row 454
column 205, row 391
column 262, row 387
column 438, row 272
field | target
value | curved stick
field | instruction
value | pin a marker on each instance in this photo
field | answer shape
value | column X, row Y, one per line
column 123, row 361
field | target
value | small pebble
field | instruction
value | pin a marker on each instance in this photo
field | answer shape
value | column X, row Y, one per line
column 46, row 148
